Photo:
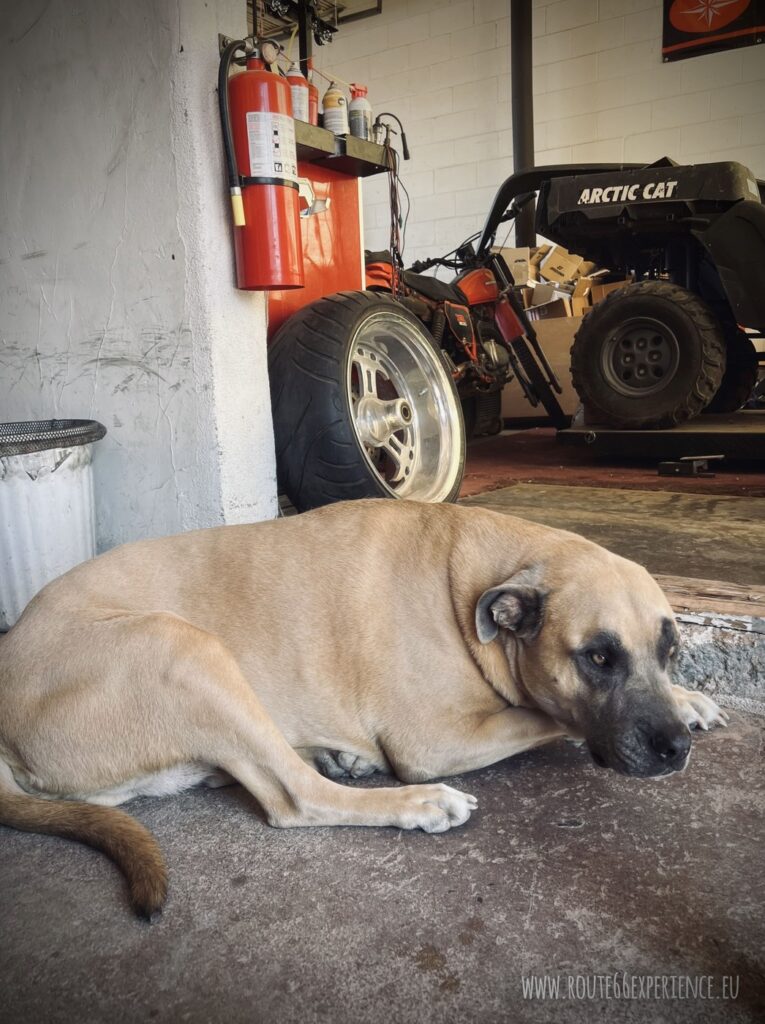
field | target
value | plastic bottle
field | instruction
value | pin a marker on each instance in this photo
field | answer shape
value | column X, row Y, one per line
column 299, row 89
column 335, row 106
column 360, row 112
column 313, row 95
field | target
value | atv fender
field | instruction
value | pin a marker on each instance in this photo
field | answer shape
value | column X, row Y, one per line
column 736, row 244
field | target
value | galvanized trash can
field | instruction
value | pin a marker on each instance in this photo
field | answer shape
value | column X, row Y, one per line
column 47, row 518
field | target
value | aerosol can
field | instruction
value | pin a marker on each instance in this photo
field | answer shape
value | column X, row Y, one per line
column 335, row 108
column 299, row 90
column 360, row 112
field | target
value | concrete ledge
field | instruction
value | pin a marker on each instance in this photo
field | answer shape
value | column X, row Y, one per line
column 722, row 626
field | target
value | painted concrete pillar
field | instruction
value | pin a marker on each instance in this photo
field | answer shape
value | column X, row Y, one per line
column 234, row 322
column 116, row 267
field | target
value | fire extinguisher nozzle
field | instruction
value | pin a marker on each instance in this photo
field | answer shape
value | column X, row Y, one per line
column 237, row 208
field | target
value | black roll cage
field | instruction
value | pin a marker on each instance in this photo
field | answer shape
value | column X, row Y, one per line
column 531, row 181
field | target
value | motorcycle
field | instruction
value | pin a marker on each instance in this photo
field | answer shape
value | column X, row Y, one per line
column 479, row 323
column 375, row 391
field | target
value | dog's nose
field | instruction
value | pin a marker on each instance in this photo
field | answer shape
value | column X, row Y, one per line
column 671, row 745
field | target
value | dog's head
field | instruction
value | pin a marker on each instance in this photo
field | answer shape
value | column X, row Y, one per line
column 591, row 640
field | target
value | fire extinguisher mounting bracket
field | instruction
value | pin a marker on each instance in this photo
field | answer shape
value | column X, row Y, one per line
column 223, row 41
column 245, row 180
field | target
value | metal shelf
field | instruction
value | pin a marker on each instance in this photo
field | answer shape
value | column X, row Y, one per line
column 345, row 154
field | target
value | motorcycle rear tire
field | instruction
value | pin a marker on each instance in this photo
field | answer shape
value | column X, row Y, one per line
column 327, row 446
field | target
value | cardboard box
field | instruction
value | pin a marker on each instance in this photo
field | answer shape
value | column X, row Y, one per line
column 585, row 270
column 540, row 291
column 598, row 292
column 559, row 265
column 555, row 336
column 538, row 254
column 519, row 263
column 581, row 296
column 556, row 308
column 549, row 291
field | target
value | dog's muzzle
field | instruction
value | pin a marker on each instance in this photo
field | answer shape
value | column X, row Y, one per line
column 646, row 752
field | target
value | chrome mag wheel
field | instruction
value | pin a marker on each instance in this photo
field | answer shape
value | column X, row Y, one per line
column 405, row 412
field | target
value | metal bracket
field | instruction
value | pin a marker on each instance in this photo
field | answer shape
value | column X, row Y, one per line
column 689, row 465
column 224, row 41
column 308, row 195
column 304, row 14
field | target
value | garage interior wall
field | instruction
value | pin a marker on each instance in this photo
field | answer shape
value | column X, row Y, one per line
column 601, row 93
column 116, row 264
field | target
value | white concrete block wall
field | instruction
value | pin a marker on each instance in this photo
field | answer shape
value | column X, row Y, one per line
column 601, row 93
column 116, row 267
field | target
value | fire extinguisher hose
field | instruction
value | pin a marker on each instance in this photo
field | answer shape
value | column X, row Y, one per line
column 234, row 182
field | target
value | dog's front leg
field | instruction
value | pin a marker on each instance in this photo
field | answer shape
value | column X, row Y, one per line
column 477, row 741
column 218, row 719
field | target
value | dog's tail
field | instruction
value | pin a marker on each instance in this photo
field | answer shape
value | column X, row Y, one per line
column 131, row 846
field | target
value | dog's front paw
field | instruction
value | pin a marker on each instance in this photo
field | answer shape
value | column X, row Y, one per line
column 434, row 808
column 697, row 710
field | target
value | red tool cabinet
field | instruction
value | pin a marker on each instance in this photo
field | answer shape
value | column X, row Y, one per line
column 332, row 239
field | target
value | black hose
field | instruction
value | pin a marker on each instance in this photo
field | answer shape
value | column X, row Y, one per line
column 404, row 146
column 225, row 118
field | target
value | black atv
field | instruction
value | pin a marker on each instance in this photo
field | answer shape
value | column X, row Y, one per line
column 672, row 344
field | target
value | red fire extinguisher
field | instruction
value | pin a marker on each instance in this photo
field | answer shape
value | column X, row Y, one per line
column 259, row 140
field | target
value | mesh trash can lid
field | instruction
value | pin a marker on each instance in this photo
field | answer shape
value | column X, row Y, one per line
column 39, row 435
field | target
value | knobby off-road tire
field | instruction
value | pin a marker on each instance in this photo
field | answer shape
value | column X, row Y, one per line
column 741, row 372
column 364, row 405
column 651, row 355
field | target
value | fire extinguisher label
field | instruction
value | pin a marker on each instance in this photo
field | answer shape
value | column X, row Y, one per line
column 271, row 139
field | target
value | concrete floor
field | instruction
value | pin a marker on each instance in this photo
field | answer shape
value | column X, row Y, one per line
column 705, row 536
column 535, row 456
column 565, row 870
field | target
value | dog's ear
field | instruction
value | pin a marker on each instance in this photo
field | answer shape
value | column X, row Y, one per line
column 518, row 605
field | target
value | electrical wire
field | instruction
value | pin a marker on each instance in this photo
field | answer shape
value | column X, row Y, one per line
column 395, row 244
column 466, row 241
column 399, row 217
column 290, row 43
column 331, row 78
column 503, row 243
column 402, row 186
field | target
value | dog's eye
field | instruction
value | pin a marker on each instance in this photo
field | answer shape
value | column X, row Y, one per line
column 598, row 659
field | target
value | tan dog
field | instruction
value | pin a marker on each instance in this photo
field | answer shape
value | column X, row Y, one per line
column 426, row 640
